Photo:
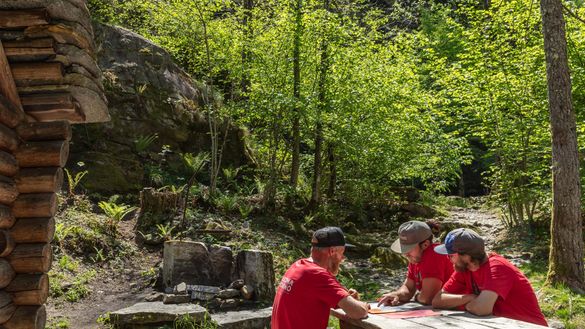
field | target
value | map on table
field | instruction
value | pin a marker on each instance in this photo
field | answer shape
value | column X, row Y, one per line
column 375, row 309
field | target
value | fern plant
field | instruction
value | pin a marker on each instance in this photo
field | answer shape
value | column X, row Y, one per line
column 115, row 212
column 74, row 180
column 143, row 142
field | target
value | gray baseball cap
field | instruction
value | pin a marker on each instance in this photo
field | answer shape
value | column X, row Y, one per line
column 409, row 235
column 461, row 241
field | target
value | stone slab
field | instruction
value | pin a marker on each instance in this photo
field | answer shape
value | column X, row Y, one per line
column 246, row 319
column 156, row 312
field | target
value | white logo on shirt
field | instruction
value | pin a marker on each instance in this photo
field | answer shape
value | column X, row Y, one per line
column 286, row 284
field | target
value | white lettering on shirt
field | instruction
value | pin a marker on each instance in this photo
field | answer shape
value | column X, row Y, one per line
column 286, row 284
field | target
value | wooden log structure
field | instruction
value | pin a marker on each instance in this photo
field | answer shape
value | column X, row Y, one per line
column 7, row 307
column 23, row 18
column 33, row 230
column 49, row 78
column 35, row 205
column 27, row 317
column 31, row 258
column 39, row 180
column 43, row 154
column 6, row 273
column 44, row 131
column 29, row 289
column 7, row 220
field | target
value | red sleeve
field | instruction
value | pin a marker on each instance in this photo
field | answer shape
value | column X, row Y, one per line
column 432, row 267
column 410, row 273
column 456, row 284
column 328, row 289
column 499, row 279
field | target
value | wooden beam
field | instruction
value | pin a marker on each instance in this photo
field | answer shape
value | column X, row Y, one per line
column 39, row 180
column 7, row 85
column 6, row 243
column 9, row 140
column 10, row 114
column 35, row 205
column 6, row 218
column 31, row 258
column 45, row 131
column 33, row 230
column 50, row 72
column 72, row 114
column 10, row 19
column 62, row 33
column 43, row 154
column 6, row 273
column 7, row 308
column 30, row 43
column 8, row 164
column 29, row 289
column 8, row 192
column 29, row 54
column 27, row 317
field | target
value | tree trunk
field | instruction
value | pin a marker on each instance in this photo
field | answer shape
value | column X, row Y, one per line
column 296, row 149
column 316, row 193
column 332, row 170
column 566, row 250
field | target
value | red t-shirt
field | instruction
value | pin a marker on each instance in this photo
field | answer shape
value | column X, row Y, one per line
column 431, row 265
column 304, row 297
column 516, row 299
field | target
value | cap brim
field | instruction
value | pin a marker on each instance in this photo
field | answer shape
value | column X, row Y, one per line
column 349, row 245
column 441, row 249
column 402, row 248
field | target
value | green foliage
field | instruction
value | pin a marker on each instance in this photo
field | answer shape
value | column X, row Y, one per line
column 59, row 322
column 226, row 203
column 143, row 142
column 74, row 180
column 165, row 232
column 115, row 212
column 188, row 322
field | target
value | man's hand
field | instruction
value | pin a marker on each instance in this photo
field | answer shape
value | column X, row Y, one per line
column 390, row 298
column 353, row 293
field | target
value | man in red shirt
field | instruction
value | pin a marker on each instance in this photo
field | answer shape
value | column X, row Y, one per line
column 308, row 289
column 427, row 270
column 484, row 284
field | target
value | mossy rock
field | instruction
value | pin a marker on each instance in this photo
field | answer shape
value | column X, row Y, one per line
column 388, row 258
column 109, row 173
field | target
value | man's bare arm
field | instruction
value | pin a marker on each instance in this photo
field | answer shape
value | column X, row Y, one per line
column 430, row 287
column 448, row 301
column 401, row 295
column 353, row 308
column 483, row 304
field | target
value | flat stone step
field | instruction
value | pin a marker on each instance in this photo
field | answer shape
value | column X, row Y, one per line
column 142, row 315
column 247, row 319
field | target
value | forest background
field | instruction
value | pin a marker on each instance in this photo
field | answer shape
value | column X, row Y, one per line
column 345, row 100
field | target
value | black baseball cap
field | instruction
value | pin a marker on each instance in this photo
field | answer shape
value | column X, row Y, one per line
column 330, row 236
column 461, row 241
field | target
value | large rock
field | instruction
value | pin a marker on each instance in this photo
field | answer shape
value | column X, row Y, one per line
column 248, row 319
column 222, row 263
column 186, row 261
column 257, row 270
column 147, row 94
column 155, row 313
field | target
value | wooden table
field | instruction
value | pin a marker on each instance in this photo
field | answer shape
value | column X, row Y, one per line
column 447, row 319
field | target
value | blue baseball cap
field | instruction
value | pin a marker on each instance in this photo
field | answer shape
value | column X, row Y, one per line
column 461, row 241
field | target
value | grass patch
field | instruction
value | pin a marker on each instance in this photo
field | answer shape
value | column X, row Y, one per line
column 557, row 302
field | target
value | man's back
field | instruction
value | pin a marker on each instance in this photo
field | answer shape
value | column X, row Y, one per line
column 304, row 297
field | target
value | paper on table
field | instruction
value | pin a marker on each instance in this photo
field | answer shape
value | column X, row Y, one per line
column 375, row 309
column 410, row 314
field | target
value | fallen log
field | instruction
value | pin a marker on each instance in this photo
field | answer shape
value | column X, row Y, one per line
column 44, row 131
column 33, row 230
column 29, row 289
column 27, row 317
column 39, row 180
column 43, row 154
column 35, row 205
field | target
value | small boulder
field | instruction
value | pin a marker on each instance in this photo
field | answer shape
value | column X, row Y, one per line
column 180, row 289
column 154, row 297
column 228, row 293
column 156, row 312
column 238, row 284
column 176, row 299
column 247, row 292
